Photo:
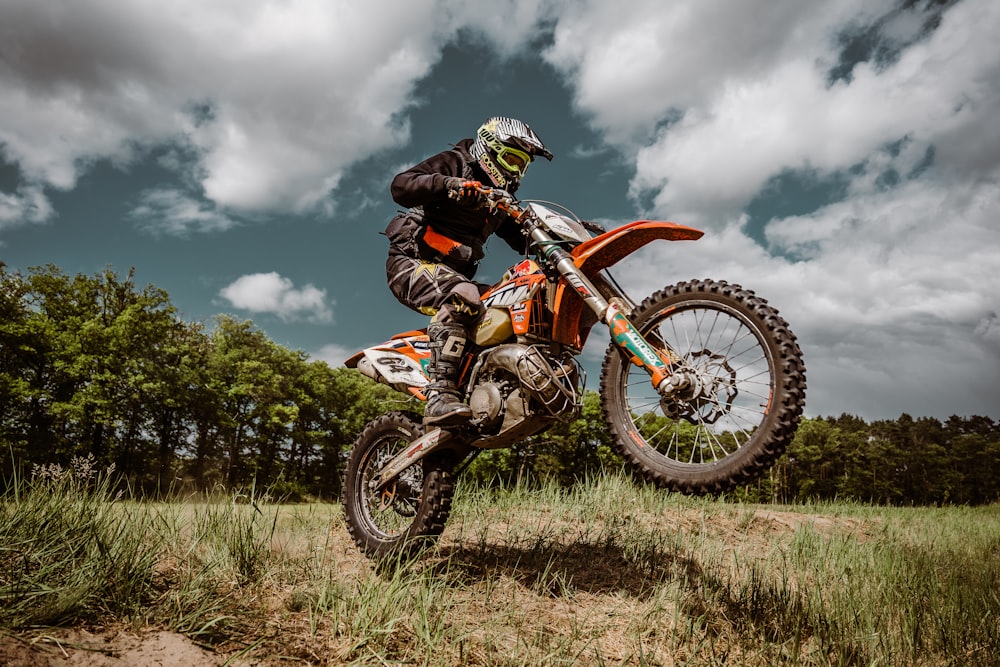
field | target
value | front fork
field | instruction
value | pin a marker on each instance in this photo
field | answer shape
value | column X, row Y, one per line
column 623, row 333
column 628, row 339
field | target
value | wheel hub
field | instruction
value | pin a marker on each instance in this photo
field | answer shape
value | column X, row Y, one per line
column 703, row 391
column 403, row 494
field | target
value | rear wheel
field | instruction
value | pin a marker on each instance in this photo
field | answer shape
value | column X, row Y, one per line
column 411, row 511
column 743, row 397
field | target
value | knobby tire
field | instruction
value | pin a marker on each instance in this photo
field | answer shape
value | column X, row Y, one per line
column 411, row 512
column 745, row 352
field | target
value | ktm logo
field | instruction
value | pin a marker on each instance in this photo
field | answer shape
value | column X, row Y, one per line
column 509, row 295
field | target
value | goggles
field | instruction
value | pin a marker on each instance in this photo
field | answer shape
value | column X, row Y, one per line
column 513, row 160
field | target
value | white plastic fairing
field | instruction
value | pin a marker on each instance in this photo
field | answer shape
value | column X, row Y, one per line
column 558, row 224
column 392, row 368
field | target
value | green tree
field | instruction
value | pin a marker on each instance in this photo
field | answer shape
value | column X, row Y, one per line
column 58, row 365
column 91, row 358
column 347, row 401
column 974, row 448
column 243, row 377
column 18, row 344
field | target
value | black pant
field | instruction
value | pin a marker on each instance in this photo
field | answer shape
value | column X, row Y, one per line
column 435, row 289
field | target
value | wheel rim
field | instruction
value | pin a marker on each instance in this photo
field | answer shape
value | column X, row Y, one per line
column 731, row 370
column 389, row 512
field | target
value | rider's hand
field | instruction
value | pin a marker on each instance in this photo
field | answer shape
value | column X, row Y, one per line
column 464, row 191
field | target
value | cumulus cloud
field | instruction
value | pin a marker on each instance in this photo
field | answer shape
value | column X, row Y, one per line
column 273, row 293
column 714, row 99
column 633, row 71
column 725, row 148
column 176, row 213
column 24, row 206
column 890, row 288
column 272, row 99
column 333, row 354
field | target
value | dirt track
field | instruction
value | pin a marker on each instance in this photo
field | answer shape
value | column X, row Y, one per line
column 79, row 648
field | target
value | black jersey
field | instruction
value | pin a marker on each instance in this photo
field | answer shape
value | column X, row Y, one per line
column 422, row 189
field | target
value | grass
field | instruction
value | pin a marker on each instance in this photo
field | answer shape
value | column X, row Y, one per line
column 607, row 573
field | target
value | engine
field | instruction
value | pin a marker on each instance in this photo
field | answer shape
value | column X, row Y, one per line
column 517, row 391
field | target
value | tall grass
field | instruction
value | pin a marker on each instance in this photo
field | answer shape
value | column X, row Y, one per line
column 606, row 573
column 67, row 553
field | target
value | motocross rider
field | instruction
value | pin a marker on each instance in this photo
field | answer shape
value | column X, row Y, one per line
column 435, row 246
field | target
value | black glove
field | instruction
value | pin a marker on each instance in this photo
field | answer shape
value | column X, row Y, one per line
column 498, row 194
column 464, row 191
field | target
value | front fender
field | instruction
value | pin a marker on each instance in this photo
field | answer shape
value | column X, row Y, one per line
column 610, row 247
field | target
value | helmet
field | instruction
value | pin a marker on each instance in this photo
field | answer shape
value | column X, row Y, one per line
column 505, row 147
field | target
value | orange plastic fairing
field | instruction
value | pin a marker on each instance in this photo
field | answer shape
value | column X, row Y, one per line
column 599, row 253
column 610, row 247
column 440, row 242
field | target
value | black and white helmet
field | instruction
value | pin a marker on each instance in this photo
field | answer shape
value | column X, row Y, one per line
column 505, row 147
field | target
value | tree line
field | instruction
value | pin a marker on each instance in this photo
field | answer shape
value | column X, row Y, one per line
column 95, row 366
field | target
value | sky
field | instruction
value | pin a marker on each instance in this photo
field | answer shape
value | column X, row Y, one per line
column 842, row 157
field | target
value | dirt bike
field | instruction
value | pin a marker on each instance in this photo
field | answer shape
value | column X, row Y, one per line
column 702, row 386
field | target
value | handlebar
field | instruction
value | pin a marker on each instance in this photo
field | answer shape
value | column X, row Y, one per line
column 494, row 198
column 498, row 199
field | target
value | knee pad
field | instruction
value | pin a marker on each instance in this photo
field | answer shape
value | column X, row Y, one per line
column 461, row 307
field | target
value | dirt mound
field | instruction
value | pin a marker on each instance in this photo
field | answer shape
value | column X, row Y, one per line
column 79, row 648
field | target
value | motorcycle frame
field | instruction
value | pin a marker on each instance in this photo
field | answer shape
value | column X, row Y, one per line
column 577, row 283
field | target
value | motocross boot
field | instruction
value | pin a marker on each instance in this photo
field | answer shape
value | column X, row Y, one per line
column 444, row 404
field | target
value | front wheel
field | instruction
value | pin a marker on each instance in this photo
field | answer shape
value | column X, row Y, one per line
column 745, row 388
column 411, row 511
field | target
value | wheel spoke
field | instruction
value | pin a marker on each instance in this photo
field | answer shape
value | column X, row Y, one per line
column 409, row 511
column 391, row 510
column 735, row 376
